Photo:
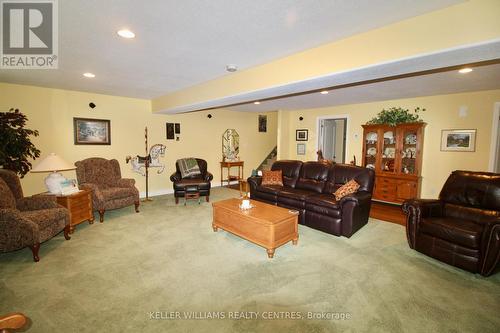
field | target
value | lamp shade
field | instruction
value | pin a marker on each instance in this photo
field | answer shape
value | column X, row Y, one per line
column 52, row 163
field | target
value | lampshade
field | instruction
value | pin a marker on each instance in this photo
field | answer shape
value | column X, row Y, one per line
column 52, row 163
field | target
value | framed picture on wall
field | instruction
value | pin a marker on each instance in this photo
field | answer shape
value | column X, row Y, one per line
column 177, row 128
column 301, row 148
column 262, row 123
column 88, row 131
column 458, row 140
column 171, row 131
column 301, row 135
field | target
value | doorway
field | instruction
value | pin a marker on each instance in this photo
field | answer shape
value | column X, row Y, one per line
column 332, row 138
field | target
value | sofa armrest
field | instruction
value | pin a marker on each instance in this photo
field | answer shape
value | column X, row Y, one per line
column 490, row 248
column 415, row 210
column 96, row 193
column 355, row 210
column 126, row 182
column 175, row 177
column 254, row 181
column 37, row 202
column 20, row 232
column 208, row 177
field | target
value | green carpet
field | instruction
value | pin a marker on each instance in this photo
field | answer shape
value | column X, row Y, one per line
column 109, row 278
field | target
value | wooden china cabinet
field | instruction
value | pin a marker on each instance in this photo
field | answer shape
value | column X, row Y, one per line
column 395, row 153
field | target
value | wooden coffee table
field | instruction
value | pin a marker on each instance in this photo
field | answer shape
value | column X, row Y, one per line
column 265, row 225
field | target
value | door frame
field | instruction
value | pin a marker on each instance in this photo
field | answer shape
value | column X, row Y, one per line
column 494, row 137
column 319, row 133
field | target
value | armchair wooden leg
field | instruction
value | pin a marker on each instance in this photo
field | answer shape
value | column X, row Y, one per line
column 207, row 198
column 67, row 231
column 176, row 200
column 101, row 215
column 136, row 204
column 34, row 248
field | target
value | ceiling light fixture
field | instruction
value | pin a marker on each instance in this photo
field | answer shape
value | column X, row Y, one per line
column 126, row 33
column 231, row 68
column 324, row 92
column 256, row 102
column 89, row 75
column 465, row 70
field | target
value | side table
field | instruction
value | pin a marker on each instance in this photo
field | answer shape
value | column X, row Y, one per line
column 79, row 205
column 228, row 165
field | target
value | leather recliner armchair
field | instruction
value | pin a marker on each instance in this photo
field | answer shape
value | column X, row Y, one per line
column 462, row 227
column 202, row 181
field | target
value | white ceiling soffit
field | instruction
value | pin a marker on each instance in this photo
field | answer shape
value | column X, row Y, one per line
column 450, row 82
column 469, row 54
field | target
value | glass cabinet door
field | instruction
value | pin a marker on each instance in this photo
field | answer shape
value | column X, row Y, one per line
column 388, row 160
column 409, row 152
column 371, row 140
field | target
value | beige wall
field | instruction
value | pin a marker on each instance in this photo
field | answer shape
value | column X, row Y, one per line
column 442, row 113
column 51, row 112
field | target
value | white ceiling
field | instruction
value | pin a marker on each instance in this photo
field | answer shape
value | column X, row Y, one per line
column 482, row 78
column 182, row 43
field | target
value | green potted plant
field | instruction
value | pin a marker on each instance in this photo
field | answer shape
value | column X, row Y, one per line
column 15, row 145
column 396, row 115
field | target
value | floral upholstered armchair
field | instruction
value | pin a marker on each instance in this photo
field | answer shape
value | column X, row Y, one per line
column 109, row 189
column 30, row 221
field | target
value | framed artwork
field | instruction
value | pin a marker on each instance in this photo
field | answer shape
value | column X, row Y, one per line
column 301, row 148
column 89, row 131
column 301, row 135
column 177, row 128
column 458, row 140
column 262, row 123
column 171, row 131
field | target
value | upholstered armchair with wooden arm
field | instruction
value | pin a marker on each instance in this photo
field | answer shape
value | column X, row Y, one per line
column 462, row 227
column 109, row 189
column 30, row 221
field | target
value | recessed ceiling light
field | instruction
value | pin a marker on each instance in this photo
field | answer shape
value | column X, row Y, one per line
column 465, row 70
column 89, row 75
column 126, row 33
column 231, row 68
column 256, row 102
column 324, row 92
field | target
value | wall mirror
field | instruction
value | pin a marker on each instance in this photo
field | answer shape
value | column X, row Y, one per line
column 230, row 145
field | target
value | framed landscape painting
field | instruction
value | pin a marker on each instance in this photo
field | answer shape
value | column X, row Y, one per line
column 458, row 140
column 89, row 131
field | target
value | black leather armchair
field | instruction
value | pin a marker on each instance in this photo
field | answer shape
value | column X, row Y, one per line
column 462, row 227
column 202, row 181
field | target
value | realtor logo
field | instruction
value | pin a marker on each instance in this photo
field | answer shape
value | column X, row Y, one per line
column 29, row 34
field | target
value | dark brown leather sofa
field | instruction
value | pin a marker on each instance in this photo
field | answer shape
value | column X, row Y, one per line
column 308, row 188
column 462, row 228
column 202, row 181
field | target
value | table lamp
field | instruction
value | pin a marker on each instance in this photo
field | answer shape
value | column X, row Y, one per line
column 53, row 164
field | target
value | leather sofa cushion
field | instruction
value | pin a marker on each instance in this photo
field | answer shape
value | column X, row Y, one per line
column 324, row 204
column 293, row 193
column 272, row 189
column 457, row 231
column 473, row 189
column 313, row 176
column 290, row 171
column 470, row 213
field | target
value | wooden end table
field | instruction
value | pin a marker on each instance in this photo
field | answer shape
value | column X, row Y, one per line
column 79, row 205
column 228, row 165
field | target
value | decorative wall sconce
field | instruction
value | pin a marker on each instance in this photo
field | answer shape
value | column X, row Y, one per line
column 301, row 118
column 209, row 116
column 92, row 105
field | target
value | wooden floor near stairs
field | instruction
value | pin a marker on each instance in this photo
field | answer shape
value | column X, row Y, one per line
column 381, row 211
column 388, row 212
